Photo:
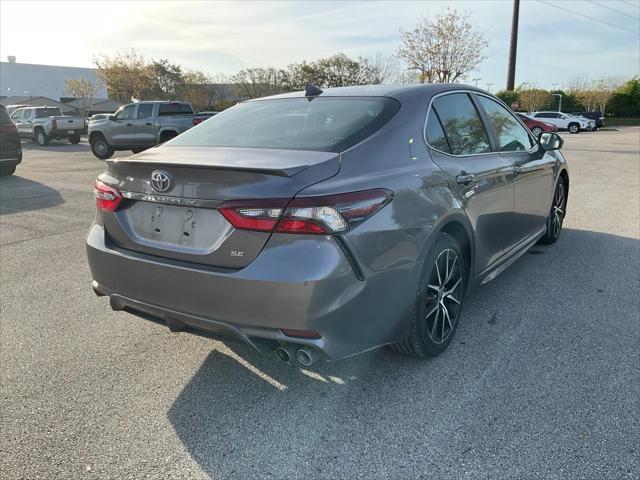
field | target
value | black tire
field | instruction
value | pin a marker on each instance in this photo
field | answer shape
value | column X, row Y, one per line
column 41, row 138
column 431, row 302
column 74, row 139
column 7, row 170
column 101, row 148
column 166, row 136
column 574, row 128
column 537, row 131
column 138, row 150
column 557, row 214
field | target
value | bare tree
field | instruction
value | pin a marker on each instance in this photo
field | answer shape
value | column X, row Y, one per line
column 379, row 69
column 444, row 49
column 594, row 95
column 195, row 89
column 84, row 90
column 256, row 82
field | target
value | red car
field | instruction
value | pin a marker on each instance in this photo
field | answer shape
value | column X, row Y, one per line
column 536, row 126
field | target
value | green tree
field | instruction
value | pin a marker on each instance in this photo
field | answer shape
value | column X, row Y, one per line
column 165, row 81
column 507, row 96
column 126, row 75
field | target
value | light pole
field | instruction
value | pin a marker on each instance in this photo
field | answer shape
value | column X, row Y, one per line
column 489, row 85
column 30, row 97
column 559, row 95
column 476, row 80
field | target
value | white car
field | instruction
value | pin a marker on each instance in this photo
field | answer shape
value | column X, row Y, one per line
column 565, row 121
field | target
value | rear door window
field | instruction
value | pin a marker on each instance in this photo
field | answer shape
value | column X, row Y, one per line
column 461, row 124
column 48, row 112
column 435, row 134
column 175, row 108
column 511, row 135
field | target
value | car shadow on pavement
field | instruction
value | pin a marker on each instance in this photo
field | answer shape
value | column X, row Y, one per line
column 19, row 194
column 245, row 415
column 58, row 146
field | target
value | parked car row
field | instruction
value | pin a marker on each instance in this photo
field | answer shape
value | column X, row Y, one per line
column 565, row 121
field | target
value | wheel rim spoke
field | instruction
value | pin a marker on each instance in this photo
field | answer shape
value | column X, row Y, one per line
column 446, row 281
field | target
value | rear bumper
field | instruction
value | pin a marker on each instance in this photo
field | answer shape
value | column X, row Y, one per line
column 64, row 133
column 307, row 284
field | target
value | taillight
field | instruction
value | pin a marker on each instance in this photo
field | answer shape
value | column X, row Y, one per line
column 308, row 215
column 107, row 198
column 196, row 121
column 54, row 124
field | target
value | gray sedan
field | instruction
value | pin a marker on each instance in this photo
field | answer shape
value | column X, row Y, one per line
column 321, row 224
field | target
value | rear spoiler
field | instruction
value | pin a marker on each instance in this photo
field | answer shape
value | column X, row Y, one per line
column 282, row 163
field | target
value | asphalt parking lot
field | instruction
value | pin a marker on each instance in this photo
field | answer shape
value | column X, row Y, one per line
column 541, row 381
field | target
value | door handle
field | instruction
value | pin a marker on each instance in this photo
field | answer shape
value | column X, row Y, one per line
column 129, row 124
column 149, row 123
column 465, row 178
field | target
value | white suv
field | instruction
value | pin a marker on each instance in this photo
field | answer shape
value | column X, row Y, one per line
column 565, row 121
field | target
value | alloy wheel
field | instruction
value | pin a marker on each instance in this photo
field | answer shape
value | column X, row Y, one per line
column 40, row 138
column 557, row 210
column 101, row 148
column 443, row 296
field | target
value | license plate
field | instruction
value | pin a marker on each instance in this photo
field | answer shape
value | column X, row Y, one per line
column 71, row 132
column 167, row 226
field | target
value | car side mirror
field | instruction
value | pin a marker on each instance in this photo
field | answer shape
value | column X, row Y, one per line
column 112, row 118
column 550, row 141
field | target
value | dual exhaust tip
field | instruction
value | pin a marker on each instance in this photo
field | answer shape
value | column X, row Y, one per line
column 305, row 356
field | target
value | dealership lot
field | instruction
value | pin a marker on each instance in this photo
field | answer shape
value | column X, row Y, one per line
column 542, row 379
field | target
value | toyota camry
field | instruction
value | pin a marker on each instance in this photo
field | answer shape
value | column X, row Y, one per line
column 321, row 224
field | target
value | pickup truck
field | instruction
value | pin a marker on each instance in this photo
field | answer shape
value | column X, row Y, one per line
column 138, row 126
column 46, row 123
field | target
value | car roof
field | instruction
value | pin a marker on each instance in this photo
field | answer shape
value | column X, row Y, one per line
column 403, row 92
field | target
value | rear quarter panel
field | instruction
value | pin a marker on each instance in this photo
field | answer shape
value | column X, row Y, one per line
column 397, row 159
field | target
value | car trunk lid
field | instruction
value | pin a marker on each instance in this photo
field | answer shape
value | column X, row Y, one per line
column 182, row 222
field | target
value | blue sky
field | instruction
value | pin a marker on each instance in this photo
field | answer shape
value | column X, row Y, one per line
column 222, row 37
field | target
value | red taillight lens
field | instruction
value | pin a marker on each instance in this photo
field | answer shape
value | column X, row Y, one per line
column 54, row 124
column 309, row 215
column 107, row 198
column 11, row 128
column 196, row 121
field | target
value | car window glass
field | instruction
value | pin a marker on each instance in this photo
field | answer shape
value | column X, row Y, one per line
column 125, row 113
column 17, row 115
column 145, row 110
column 329, row 124
column 461, row 124
column 512, row 137
column 175, row 108
column 435, row 134
column 48, row 112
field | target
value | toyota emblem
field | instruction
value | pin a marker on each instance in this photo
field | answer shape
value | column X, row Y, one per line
column 161, row 181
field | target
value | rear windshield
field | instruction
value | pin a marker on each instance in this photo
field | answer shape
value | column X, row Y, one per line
column 48, row 112
column 4, row 117
column 175, row 109
column 327, row 124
